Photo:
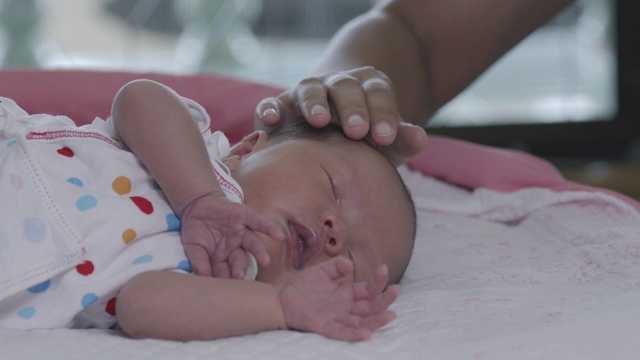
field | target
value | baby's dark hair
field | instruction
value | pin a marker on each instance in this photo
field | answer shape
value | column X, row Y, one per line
column 332, row 132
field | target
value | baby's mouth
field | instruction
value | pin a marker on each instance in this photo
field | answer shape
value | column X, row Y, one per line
column 303, row 242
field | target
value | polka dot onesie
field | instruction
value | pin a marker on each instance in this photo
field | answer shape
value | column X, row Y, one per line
column 79, row 217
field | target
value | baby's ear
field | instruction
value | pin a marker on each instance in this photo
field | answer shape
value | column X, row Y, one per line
column 249, row 144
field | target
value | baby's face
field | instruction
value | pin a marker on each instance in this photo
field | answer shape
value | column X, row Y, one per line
column 332, row 198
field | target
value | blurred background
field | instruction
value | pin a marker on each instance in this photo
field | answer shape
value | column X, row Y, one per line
column 564, row 72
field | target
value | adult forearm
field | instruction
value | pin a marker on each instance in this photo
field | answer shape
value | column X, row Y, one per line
column 156, row 125
column 433, row 49
column 384, row 42
column 174, row 306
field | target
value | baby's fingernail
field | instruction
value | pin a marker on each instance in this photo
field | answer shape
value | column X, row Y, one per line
column 382, row 129
column 318, row 109
column 355, row 120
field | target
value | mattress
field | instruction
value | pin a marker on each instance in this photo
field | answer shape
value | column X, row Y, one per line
column 527, row 274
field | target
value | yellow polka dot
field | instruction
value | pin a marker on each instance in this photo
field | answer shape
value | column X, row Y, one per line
column 129, row 235
column 121, row 185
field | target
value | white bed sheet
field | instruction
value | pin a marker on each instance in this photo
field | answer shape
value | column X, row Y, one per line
column 526, row 275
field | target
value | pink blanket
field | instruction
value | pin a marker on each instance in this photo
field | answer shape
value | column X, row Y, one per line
column 473, row 166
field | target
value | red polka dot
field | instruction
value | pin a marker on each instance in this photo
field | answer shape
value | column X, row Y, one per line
column 86, row 268
column 143, row 204
column 65, row 151
column 110, row 308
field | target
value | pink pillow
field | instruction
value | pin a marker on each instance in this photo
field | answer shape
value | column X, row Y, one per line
column 84, row 95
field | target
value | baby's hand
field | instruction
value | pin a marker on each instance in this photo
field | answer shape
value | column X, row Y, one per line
column 365, row 104
column 217, row 232
column 317, row 301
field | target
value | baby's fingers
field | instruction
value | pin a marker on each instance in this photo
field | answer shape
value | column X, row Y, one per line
column 337, row 267
column 379, row 304
column 252, row 243
column 199, row 259
column 371, row 322
column 238, row 262
column 221, row 270
column 370, row 290
column 345, row 333
column 259, row 224
column 377, row 321
column 355, row 328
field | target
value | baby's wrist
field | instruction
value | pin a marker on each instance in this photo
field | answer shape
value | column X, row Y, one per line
column 183, row 206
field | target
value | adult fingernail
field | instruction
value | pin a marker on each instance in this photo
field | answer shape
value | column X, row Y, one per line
column 269, row 111
column 382, row 129
column 355, row 120
column 318, row 109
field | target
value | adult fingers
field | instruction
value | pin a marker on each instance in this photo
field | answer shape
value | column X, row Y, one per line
column 383, row 109
column 268, row 113
column 311, row 97
column 409, row 142
column 350, row 103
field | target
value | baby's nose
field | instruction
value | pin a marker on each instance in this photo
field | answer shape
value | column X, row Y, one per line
column 333, row 233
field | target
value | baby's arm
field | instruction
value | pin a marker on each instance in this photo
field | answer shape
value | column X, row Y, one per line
column 174, row 306
column 156, row 125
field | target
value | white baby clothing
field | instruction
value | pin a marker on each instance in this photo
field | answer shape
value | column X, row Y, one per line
column 80, row 216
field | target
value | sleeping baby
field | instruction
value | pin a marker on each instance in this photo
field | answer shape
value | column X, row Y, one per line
column 105, row 225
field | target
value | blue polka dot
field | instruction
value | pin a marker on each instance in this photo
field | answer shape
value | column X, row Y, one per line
column 156, row 185
column 185, row 265
column 89, row 299
column 42, row 287
column 33, row 229
column 143, row 259
column 27, row 313
column 86, row 202
column 10, row 143
column 173, row 223
column 75, row 181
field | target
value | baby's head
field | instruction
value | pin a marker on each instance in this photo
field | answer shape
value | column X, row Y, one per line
column 332, row 196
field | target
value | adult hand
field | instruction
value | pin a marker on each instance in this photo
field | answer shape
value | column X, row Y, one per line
column 318, row 300
column 217, row 233
column 361, row 100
